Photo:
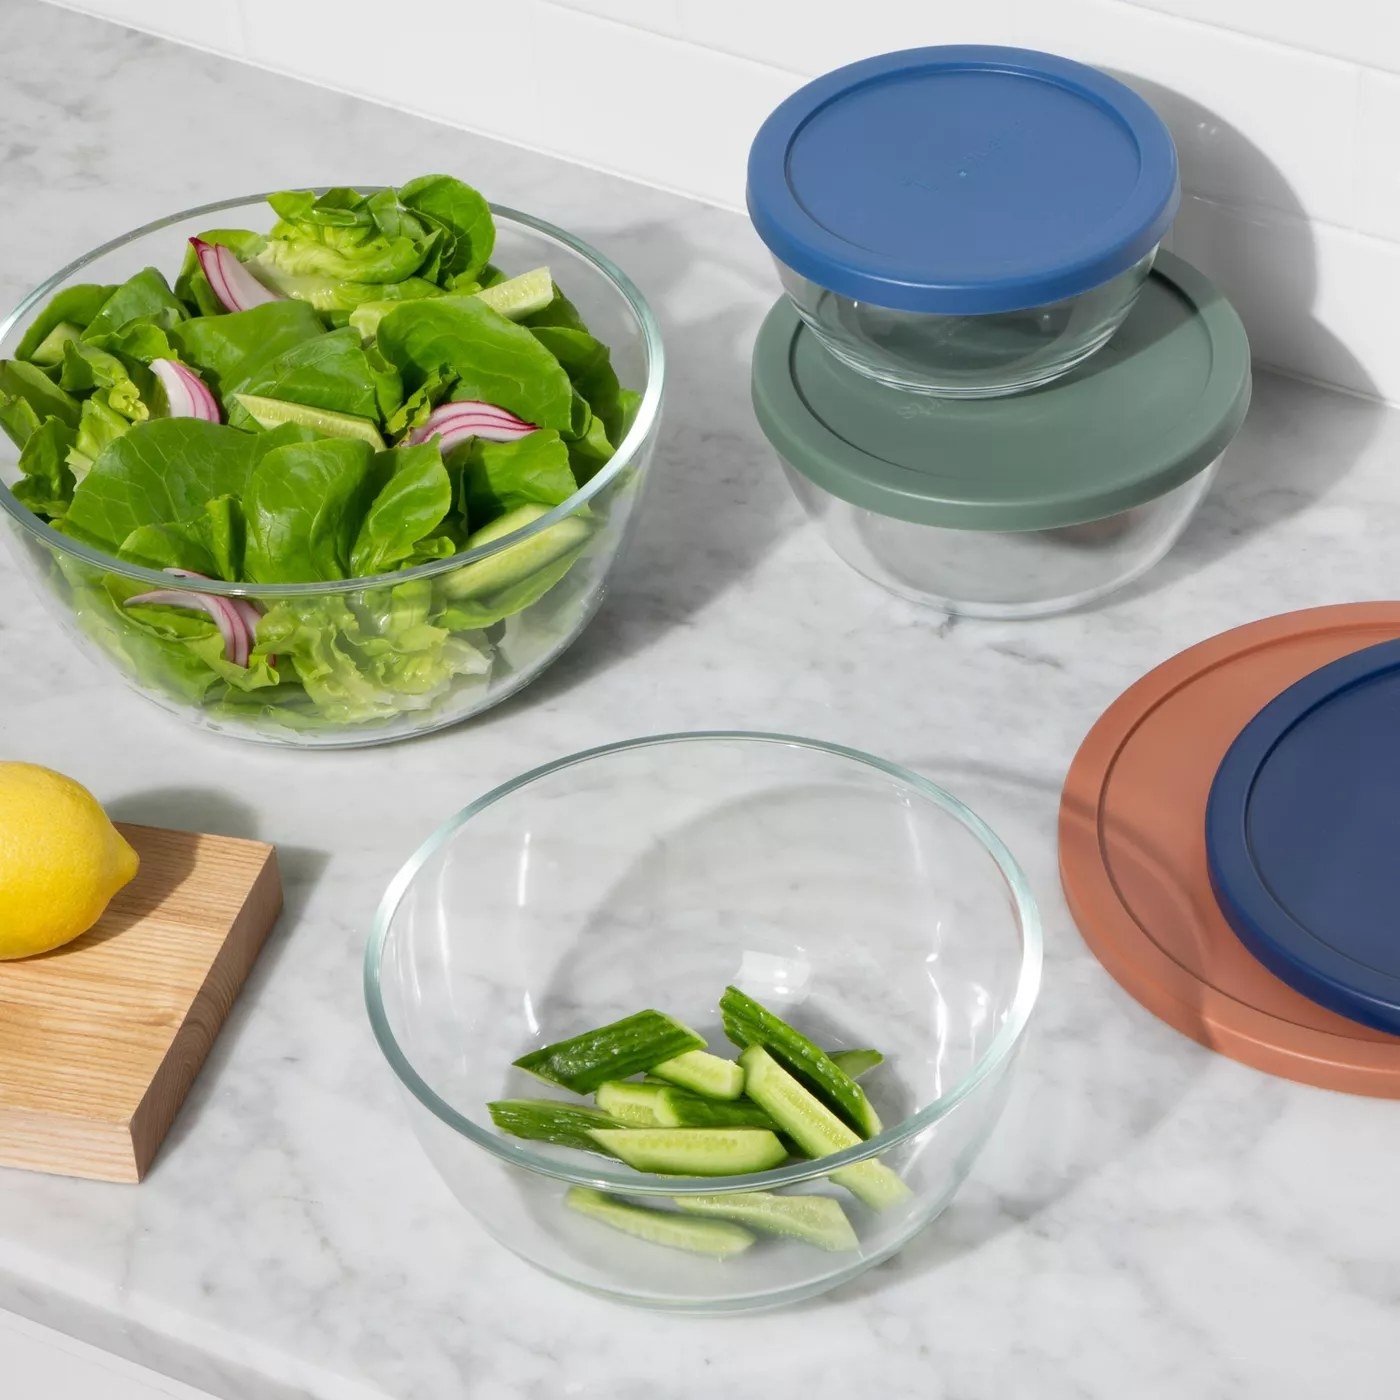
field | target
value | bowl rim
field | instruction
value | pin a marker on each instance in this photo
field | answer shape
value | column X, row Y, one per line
column 627, row 450
column 649, row 1184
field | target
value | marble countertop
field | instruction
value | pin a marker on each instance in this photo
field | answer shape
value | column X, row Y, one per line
column 1150, row 1220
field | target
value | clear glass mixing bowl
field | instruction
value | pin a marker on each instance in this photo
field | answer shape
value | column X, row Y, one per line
column 362, row 687
column 850, row 895
column 1005, row 574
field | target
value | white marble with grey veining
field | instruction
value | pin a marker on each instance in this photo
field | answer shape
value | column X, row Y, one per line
column 1150, row 1221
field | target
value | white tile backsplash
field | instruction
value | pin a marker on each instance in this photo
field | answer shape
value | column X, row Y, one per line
column 542, row 75
column 1285, row 111
column 1254, row 124
column 1317, row 299
column 1364, row 31
column 819, row 35
column 206, row 23
column 1377, row 167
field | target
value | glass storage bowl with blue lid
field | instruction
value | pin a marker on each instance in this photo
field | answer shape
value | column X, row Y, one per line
column 1022, row 506
column 967, row 221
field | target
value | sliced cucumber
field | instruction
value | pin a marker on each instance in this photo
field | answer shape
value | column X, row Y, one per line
column 748, row 1023
column 660, row 1105
column 49, row 351
column 717, row 1238
column 856, row 1062
column 815, row 1220
column 815, row 1128
column 614, row 1051
column 519, row 297
column 706, row 1074
column 693, row 1151
column 551, row 1120
column 696, row 1111
column 272, row 413
column 638, row 1105
column 517, row 562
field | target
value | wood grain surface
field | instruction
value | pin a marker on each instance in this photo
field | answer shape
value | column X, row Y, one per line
column 101, row 1040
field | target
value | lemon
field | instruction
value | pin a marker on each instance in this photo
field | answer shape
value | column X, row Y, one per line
column 61, row 860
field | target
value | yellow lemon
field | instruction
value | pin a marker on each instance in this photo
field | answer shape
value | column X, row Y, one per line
column 61, row 860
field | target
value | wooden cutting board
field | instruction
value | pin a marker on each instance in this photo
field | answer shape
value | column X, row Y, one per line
column 101, row 1040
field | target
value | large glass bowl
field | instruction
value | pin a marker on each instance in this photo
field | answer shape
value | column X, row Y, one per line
column 850, row 895
column 402, row 653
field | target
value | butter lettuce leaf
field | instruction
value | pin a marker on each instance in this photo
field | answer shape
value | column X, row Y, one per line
column 372, row 656
column 73, row 306
column 27, row 397
column 492, row 358
column 304, row 505
column 167, row 469
column 46, row 484
column 464, row 213
column 145, row 297
column 411, row 504
column 125, row 387
column 231, row 346
column 329, row 370
column 98, row 427
column 497, row 476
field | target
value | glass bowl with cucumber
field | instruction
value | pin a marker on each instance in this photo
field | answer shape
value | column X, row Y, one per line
column 706, row 1022
column 328, row 467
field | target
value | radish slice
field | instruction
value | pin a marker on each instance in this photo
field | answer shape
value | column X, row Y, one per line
column 247, row 610
column 233, row 284
column 186, row 394
column 237, row 642
column 452, row 423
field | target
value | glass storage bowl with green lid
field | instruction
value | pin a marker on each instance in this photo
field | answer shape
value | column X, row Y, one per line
column 963, row 220
column 1022, row 506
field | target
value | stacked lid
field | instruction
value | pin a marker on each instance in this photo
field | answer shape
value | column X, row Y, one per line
column 1150, row 411
column 973, row 211
column 962, row 180
column 1227, row 839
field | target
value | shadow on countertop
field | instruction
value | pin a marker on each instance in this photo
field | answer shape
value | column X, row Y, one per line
column 1259, row 249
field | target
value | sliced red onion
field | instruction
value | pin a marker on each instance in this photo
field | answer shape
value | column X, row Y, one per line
column 186, row 394
column 233, row 284
column 452, row 423
column 249, row 613
column 247, row 610
column 232, row 629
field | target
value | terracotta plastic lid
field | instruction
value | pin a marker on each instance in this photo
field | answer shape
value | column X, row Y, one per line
column 1133, row 851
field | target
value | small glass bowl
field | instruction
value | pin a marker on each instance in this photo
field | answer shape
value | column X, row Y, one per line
column 963, row 220
column 361, row 686
column 1004, row 574
column 967, row 357
column 849, row 894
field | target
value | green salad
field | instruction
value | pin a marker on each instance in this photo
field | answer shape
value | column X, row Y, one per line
column 352, row 394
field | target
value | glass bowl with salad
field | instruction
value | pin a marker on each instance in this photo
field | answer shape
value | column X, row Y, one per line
column 706, row 1022
column 336, row 471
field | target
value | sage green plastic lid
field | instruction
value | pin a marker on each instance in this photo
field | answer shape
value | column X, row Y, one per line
column 1159, row 403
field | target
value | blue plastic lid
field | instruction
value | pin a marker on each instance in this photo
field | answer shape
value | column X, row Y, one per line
column 1303, row 836
column 962, row 180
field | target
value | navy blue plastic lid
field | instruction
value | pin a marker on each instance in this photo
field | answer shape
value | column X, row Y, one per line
column 1303, row 836
column 963, row 180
